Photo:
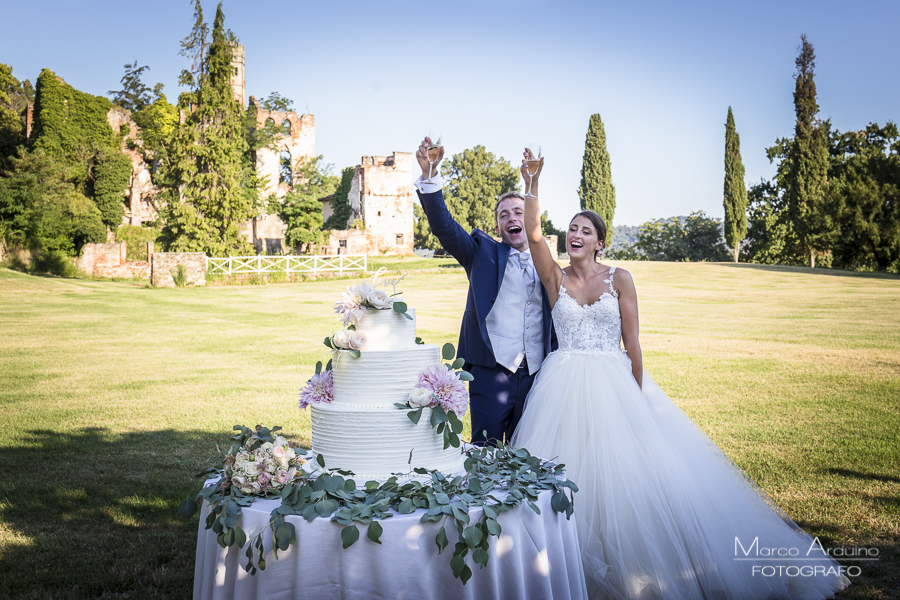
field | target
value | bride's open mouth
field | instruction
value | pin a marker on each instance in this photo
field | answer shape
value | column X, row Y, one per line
column 576, row 245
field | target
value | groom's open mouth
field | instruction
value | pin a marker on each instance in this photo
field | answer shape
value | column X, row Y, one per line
column 514, row 230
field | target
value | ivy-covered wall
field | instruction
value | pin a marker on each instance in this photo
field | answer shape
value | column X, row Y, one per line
column 72, row 126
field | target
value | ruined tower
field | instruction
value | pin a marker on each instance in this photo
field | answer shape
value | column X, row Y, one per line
column 237, row 76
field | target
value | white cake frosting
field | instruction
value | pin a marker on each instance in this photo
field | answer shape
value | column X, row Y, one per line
column 376, row 443
column 379, row 378
column 361, row 430
column 388, row 330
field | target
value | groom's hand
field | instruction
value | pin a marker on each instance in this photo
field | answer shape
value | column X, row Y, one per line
column 422, row 159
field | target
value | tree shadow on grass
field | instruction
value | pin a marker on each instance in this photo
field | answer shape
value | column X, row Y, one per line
column 866, row 476
column 91, row 514
column 808, row 271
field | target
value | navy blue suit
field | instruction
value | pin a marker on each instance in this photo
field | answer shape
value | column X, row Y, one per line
column 497, row 395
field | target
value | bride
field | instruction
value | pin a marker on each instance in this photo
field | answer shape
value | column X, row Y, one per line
column 661, row 511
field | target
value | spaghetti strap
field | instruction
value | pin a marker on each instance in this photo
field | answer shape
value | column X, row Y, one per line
column 562, row 287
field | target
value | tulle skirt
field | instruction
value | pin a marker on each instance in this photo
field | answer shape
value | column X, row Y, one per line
column 661, row 511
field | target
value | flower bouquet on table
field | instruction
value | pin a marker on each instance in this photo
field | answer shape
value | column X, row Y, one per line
column 440, row 387
column 259, row 464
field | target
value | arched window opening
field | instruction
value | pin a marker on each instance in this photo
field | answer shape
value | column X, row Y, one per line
column 285, row 166
column 286, row 127
column 270, row 122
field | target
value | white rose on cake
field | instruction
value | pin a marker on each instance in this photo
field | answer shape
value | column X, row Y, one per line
column 357, row 340
column 342, row 339
column 378, row 299
column 419, row 397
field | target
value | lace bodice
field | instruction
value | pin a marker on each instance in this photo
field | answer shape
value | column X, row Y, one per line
column 596, row 327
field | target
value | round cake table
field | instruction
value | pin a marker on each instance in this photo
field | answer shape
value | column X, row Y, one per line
column 536, row 556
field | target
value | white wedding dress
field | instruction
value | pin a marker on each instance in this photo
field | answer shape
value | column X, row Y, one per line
column 661, row 511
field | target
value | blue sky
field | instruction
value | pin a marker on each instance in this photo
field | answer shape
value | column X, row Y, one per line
column 379, row 75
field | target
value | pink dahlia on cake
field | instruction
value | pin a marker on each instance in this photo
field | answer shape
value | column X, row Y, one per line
column 446, row 388
column 319, row 389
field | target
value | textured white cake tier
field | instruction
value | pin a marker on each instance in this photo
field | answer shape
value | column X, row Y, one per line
column 379, row 378
column 388, row 330
column 375, row 443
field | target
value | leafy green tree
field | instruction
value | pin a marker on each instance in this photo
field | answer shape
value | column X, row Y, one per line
column 597, row 192
column 473, row 181
column 770, row 233
column 661, row 240
column 340, row 202
column 696, row 238
column 735, row 194
column 300, row 209
column 276, row 101
column 865, row 182
column 807, row 158
column 157, row 122
column 208, row 158
column 40, row 209
column 135, row 95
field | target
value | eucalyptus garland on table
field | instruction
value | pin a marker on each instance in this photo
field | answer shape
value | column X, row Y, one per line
column 447, row 500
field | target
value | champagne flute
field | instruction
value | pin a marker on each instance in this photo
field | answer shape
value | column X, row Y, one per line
column 434, row 150
column 533, row 163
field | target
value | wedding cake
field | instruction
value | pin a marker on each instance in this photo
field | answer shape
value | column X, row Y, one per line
column 376, row 364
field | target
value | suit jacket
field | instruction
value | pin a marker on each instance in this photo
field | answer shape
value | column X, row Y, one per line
column 484, row 260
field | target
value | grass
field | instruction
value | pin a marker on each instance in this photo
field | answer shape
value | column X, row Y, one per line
column 112, row 395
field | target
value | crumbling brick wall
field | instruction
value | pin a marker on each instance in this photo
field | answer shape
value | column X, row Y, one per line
column 109, row 260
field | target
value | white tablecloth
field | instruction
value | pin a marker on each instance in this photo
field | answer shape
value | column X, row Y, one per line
column 536, row 557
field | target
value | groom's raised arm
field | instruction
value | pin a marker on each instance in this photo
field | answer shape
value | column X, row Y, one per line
column 452, row 236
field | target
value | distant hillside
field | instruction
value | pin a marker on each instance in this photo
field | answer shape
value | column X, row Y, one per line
column 624, row 235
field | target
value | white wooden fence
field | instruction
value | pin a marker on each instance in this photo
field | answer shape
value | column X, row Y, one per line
column 234, row 265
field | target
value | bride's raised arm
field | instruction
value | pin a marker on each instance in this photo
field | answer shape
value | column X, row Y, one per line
column 547, row 268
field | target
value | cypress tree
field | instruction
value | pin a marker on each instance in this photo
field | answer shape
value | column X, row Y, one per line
column 597, row 192
column 735, row 197
column 808, row 162
column 208, row 151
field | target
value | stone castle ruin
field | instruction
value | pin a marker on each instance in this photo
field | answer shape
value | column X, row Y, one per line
column 381, row 197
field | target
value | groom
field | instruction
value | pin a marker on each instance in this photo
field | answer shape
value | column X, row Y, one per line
column 505, row 331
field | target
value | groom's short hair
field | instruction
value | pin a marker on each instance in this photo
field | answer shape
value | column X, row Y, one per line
column 504, row 197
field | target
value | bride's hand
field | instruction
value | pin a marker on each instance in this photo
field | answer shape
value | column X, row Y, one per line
column 527, row 155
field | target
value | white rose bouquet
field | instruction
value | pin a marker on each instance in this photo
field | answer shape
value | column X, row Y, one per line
column 260, row 462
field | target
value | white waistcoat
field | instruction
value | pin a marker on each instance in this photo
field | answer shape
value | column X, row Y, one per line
column 515, row 323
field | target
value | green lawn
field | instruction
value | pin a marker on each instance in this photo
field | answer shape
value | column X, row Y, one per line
column 113, row 395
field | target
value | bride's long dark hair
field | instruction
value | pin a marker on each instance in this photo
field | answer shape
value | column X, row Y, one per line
column 599, row 226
